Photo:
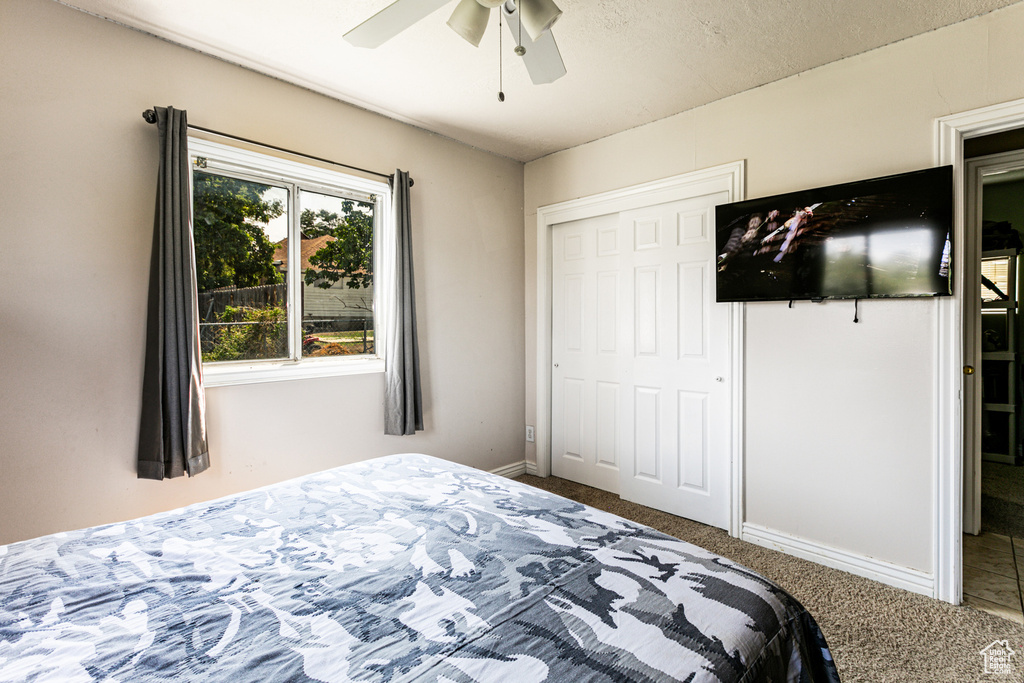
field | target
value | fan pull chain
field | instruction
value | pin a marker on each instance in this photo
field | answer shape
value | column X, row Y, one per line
column 501, row 92
column 520, row 50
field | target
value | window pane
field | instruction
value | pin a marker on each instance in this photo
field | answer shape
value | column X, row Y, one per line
column 337, row 275
column 997, row 272
column 240, row 227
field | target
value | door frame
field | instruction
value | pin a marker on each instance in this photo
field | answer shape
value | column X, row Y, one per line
column 729, row 178
column 975, row 172
column 951, row 414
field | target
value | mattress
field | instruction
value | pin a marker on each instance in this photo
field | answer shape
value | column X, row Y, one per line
column 401, row 568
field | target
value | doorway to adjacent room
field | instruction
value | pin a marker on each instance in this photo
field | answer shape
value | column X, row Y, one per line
column 993, row 544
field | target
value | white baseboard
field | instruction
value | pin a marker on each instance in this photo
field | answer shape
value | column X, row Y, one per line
column 514, row 470
column 531, row 468
column 913, row 580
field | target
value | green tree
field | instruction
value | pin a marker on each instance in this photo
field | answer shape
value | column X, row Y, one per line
column 349, row 255
column 232, row 247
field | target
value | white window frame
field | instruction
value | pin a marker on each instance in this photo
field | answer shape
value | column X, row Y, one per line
column 251, row 165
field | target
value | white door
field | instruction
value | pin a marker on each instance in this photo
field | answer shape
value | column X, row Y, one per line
column 590, row 350
column 640, row 352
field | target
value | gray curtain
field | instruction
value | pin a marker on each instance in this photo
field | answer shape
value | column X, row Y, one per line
column 403, row 402
column 172, row 433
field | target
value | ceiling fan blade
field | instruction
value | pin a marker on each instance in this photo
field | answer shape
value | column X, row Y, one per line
column 542, row 59
column 391, row 21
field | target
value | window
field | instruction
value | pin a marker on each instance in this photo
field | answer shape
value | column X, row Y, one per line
column 286, row 259
column 996, row 269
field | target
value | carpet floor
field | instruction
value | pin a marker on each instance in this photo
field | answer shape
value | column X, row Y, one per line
column 877, row 634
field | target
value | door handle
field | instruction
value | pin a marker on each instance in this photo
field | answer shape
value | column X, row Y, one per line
column 968, row 369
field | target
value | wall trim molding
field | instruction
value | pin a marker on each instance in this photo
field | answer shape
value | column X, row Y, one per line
column 531, row 468
column 913, row 580
column 514, row 470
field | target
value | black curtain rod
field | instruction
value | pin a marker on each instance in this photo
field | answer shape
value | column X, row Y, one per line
column 150, row 116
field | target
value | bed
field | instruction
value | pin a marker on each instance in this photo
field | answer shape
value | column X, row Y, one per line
column 401, row 568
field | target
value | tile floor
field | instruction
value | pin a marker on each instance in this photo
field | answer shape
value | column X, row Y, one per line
column 993, row 572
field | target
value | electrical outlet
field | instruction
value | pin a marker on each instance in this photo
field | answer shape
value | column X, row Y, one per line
column 529, row 433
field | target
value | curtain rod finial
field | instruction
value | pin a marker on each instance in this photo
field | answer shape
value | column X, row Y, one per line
column 149, row 115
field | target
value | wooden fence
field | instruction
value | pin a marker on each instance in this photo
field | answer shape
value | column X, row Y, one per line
column 212, row 302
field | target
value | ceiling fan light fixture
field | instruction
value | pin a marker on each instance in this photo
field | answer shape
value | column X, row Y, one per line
column 469, row 20
column 538, row 16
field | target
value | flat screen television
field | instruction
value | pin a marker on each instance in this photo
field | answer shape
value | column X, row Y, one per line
column 885, row 237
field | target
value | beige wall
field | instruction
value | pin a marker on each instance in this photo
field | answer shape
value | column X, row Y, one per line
column 77, row 189
column 840, row 422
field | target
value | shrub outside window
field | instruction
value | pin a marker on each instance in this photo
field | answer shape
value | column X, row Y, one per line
column 287, row 254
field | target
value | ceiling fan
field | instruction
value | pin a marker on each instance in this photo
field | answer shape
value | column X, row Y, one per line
column 537, row 48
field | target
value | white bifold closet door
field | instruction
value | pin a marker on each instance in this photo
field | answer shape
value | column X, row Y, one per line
column 639, row 389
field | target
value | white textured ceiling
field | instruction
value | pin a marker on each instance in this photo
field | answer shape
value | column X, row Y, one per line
column 629, row 62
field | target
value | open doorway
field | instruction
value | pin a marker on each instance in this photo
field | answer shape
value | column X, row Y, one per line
column 993, row 546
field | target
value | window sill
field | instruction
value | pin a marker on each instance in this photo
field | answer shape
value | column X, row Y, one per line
column 230, row 374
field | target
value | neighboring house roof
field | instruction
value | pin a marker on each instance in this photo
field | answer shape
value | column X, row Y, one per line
column 309, row 246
